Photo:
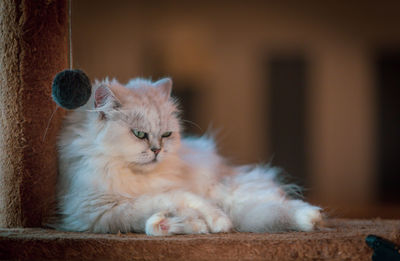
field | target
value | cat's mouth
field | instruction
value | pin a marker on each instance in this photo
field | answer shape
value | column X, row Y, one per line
column 153, row 161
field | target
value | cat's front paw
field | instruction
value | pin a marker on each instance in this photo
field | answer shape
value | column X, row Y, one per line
column 158, row 225
column 165, row 223
column 219, row 223
column 306, row 217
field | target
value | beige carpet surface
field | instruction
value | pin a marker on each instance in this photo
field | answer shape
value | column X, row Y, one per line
column 340, row 239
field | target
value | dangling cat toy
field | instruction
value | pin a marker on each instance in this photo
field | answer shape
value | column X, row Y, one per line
column 71, row 89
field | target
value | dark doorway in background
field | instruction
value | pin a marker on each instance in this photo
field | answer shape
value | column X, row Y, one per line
column 387, row 66
column 287, row 81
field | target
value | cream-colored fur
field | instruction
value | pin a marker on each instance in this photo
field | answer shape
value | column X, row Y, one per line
column 110, row 180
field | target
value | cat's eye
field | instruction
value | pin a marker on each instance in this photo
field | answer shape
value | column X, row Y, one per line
column 139, row 134
column 166, row 134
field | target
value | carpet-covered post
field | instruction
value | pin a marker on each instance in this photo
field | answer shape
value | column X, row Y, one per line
column 33, row 48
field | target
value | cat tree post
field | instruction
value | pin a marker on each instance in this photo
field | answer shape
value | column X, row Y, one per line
column 33, row 48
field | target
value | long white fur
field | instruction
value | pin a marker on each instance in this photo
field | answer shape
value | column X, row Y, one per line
column 108, row 181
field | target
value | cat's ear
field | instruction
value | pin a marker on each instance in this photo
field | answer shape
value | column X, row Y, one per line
column 104, row 99
column 165, row 85
column 103, row 96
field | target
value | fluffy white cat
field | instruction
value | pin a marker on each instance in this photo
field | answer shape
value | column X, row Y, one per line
column 124, row 167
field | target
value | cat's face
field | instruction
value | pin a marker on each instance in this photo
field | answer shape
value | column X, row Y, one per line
column 138, row 122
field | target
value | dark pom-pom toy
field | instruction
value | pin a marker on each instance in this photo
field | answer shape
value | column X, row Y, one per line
column 71, row 89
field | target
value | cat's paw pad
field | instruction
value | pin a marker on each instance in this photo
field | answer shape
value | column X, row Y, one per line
column 220, row 223
column 162, row 224
column 307, row 217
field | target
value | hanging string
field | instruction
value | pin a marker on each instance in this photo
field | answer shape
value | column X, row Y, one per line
column 70, row 60
column 70, row 33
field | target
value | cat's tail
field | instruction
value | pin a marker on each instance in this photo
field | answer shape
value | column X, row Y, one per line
column 257, row 201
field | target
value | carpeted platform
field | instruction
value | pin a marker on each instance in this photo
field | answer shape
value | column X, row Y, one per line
column 340, row 240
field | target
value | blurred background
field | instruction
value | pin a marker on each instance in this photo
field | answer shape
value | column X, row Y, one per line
column 313, row 87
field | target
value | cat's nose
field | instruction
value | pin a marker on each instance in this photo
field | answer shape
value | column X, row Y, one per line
column 155, row 150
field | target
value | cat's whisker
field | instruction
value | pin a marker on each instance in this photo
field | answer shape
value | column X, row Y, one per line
column 48, row 123
column 193, row 123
